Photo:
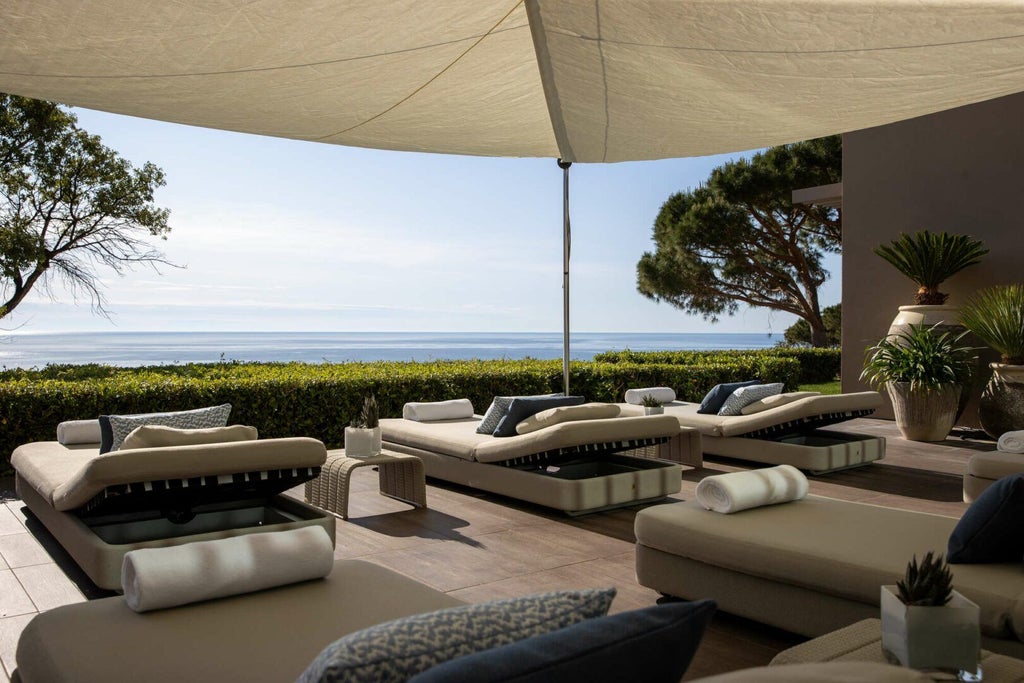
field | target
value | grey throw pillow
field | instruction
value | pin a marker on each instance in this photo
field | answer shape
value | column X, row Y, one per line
column 497, row 410
column 744, row 396
column 120, row 426
column 399, row 649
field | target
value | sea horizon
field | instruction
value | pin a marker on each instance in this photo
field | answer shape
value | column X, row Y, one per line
column 127, row 349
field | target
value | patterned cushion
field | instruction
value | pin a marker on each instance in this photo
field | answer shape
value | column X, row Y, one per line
column 114, row 428
column 399, row 649
column 714, row 399
column 629, row 646
column 744, row 396
column 497, row 410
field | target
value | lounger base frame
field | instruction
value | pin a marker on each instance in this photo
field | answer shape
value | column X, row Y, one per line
column 575, row 488
column 816, row 451
column 98, row 545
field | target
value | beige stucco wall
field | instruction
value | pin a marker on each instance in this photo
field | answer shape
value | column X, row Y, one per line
column 960, row 171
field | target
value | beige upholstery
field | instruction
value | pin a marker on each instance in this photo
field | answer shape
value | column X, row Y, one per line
column 267, row 636
column 159, row 436
column 840, row 551
column 553, row 416
column 832, row 672
column 983, row 469
column 458, row 438
column 738, row 425
column 68, row 476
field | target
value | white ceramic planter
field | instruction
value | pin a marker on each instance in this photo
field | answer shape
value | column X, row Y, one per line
column 931, row 637
column 654, row 410
column 361, row 442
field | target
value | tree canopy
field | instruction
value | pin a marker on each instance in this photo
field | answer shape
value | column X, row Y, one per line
column 68, row 204
column 739, row 239
column 799, row 333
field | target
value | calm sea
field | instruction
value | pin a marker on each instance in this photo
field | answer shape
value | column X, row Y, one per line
column 153, row 348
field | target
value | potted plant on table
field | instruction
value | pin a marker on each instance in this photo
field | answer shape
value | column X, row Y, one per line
column 924, row 371
column 362, row 437
column 928, row 625
column 996, row 317
column 652, row 406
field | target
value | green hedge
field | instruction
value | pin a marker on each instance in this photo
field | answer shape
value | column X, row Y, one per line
column 295, row 399
column 817, row 365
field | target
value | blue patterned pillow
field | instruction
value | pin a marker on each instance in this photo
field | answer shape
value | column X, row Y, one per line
column 714, row 399
column 744, row 396
column 629, row 646
column 399, row 649
column 114, row 428
column 497, row 410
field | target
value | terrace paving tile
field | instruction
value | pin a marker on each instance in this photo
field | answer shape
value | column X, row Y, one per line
column 9, row 522
column 10, row 631
column 14, row 599
column 48, row 586
column 22, row 550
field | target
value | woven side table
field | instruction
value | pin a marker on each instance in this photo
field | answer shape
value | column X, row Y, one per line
column 401, row 478
column 862, row 642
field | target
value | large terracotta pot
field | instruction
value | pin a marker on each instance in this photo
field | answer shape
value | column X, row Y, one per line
column 924, row 414
column 1001, row 408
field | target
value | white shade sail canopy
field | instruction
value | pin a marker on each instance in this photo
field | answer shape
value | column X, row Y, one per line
column 584, row 80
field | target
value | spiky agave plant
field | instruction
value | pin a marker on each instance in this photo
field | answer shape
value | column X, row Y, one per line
column 370, row 415
column 648, row 401
column 931, row 258
column 996, row 317
column 929, row 584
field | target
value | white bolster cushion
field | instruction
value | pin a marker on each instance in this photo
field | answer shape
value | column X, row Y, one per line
column 553, row 416
column 737, row 491
column 78, row 431
column 454, row 409
column 660, row 394
column 155, row 578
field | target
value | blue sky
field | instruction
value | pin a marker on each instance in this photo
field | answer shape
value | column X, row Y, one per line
column 285, row 235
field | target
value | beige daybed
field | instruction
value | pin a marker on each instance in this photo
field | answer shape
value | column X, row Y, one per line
column 577, row 467
column 101, row 506
column 789, row 434
column 813, row 565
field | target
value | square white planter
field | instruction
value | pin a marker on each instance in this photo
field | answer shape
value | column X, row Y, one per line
column 931, row 637
column 361, row 442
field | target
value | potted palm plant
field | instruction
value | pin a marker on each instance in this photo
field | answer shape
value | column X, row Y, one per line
column 924, row 370
column 929, row 259
column 996, row 317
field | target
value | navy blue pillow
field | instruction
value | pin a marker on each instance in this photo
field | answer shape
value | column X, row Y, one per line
column 990, row 529
column 715, row 399
column 106, row 434
column 523, row 407
column 654, row 645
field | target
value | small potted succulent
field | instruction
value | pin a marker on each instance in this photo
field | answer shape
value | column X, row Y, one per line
column 652, row 406
column 362, row 436
column 996, row 316
column 925, row 623
column 924, row 370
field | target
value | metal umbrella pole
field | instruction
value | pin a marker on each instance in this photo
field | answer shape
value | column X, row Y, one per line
column 566, row 248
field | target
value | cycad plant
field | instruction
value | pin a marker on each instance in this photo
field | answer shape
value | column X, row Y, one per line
column 925, row 357
column 931, row 258
column 996, row 317
column 929, row 584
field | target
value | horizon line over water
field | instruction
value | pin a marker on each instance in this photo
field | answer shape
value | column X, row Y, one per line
column 164, row 348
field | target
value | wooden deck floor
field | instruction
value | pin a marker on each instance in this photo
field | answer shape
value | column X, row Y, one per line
column 478, row 546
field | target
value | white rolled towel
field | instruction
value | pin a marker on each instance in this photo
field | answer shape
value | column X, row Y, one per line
column 1011, row 442
column 737, row 491
column 155, row 578
column 661, row 394
column 438, row 410
column 78, row 431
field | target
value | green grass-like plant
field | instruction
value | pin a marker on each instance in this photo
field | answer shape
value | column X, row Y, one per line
column 648, row 401
column 929, row 584
column 996, row 317
column 925, row 357
column 931, row 258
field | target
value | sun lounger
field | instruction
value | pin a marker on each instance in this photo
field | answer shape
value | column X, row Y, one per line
column 101, row 506
column 577, row 467
column 789, row 434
